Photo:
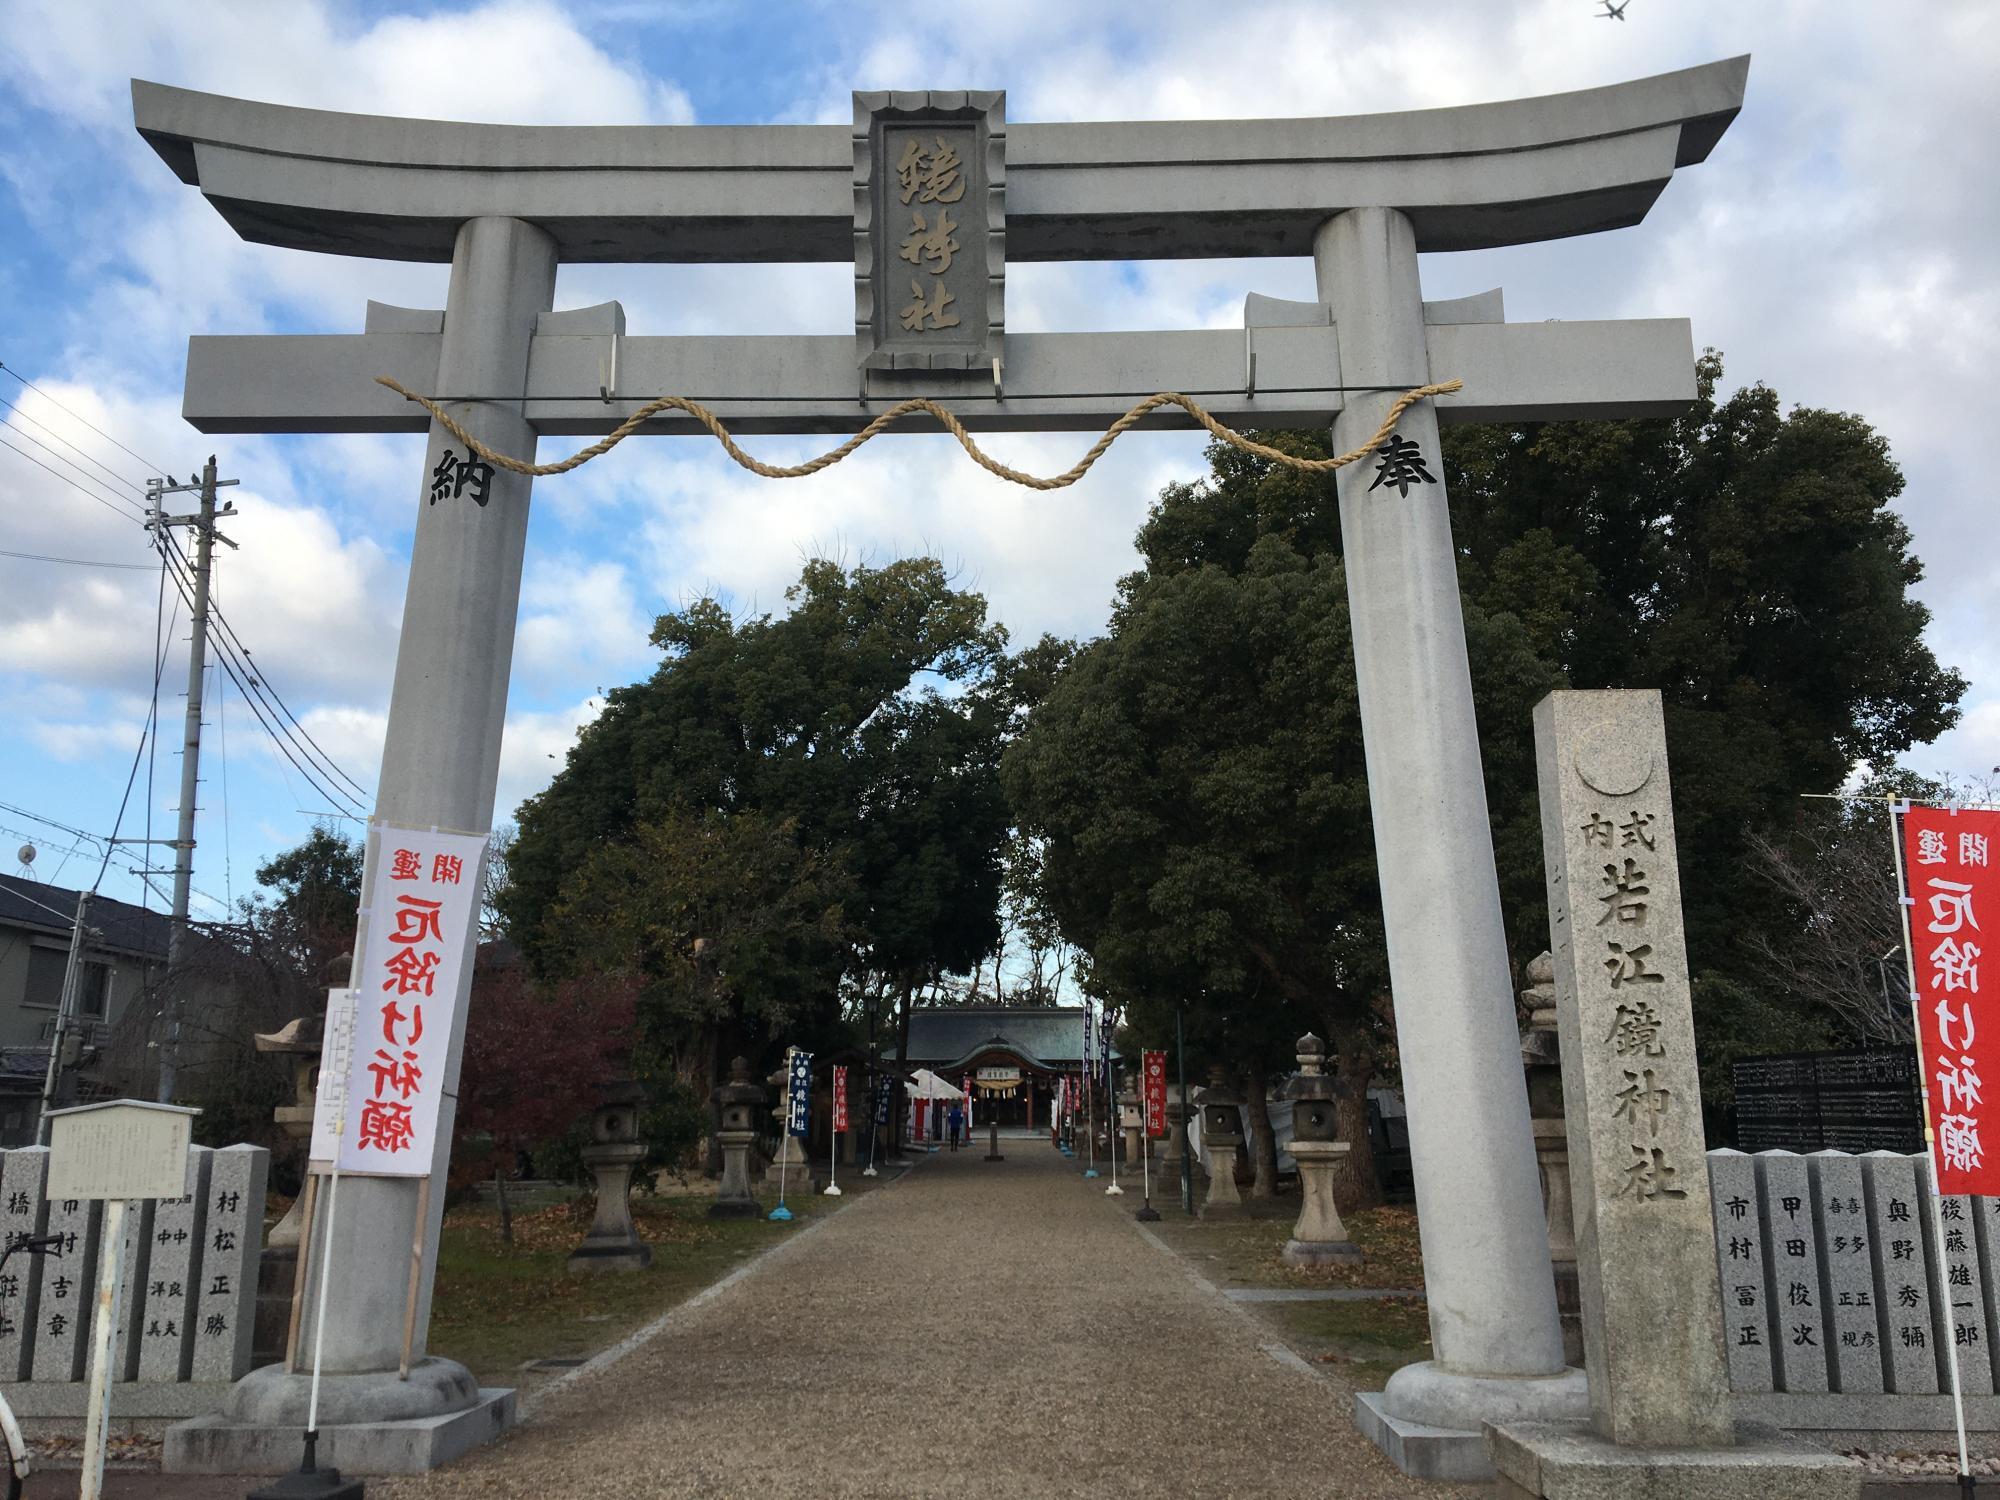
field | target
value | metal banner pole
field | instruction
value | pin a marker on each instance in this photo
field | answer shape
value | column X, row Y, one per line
column 874, row 1129
column 1111, row 1138
column 1903, row 904
column 1187, row 1139
column 1146, row 1212
column 416, row 1275
column 833, row 1138
column 1089, row 1118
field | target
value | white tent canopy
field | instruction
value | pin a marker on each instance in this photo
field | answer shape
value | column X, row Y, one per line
column 924, row 1084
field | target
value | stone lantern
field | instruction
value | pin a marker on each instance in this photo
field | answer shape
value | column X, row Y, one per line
column 1319, row 1238
column 614, row 1152
column 740, row 1099
column 1541, row 1059
column 1221, row 1133
column 1131, row 1116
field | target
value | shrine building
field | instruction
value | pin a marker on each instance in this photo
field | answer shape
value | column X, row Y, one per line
column 1012, row 1057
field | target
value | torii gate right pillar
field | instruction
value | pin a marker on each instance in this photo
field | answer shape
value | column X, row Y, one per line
column 1494, row 1328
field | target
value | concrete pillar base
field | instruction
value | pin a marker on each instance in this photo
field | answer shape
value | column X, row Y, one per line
column 1540, row 1460
column 1431, row 1393
column 1431, row 1421
column 216, row 1445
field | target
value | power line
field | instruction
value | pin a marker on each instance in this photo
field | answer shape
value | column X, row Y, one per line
column 145, row 737
column 98, row 485
column 258, row 707
column 77, row 562
column 229, row 631
column 222, row 756
column 149, row 463
column 252, row 687
column 230, row 645
column 87, row 494
column 22, row 812
column 15, row 408
column 272, row 700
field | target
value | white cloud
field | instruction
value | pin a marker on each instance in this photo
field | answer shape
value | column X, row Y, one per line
column 512, row 61
column 576, row 618
column 77, row 742
column 532, row 749
column 1836, row 245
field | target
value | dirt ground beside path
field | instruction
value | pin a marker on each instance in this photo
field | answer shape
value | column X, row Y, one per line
column 979, row 1329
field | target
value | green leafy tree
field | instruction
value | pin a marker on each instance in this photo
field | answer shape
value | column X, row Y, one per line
column 726, row 925
column 1197, row 777
column 308, row 924
column 866, row 722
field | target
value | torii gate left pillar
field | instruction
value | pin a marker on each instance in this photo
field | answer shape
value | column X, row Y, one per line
column 440, row 767
column 1364, row 196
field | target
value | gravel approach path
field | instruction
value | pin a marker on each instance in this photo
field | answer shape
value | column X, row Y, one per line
column 977, row 1329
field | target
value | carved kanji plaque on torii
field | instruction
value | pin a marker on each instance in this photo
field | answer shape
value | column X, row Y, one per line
column 930, row 229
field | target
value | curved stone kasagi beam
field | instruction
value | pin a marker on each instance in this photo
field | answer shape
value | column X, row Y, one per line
column 1469, row 178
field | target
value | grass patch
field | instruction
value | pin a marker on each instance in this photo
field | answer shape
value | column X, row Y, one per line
column 1246, row 1254
column 1363, row 1342
column 499, row 1307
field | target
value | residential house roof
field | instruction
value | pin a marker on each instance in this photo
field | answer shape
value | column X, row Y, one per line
column 51, row 909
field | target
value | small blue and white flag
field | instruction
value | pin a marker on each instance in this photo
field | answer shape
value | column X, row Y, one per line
column 798, row 1097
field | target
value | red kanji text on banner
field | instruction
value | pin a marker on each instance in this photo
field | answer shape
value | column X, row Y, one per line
column 417, row 936
column 839, row 1099
column 1953, row 894
column 1156, row 1093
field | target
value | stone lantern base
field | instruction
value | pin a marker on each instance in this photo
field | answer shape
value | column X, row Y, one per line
column 734, row 1198
column 613, row 1243
column 1319, row 1238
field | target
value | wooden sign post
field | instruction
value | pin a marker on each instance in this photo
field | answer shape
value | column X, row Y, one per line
column 117, row 1151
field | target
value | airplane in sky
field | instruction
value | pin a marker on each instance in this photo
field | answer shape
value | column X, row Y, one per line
column 1612, row 12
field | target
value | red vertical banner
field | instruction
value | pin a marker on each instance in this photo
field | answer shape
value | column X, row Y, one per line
column 839, row 1098
column 1156, row 1094
column 1952, row 893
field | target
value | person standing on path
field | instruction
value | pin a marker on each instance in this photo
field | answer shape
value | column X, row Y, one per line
column 956, row 1120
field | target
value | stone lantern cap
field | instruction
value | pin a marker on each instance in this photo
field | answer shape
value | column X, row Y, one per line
column 1311, row 1081
column 621, row 1092
column 740, row 1089
column 293, row 1036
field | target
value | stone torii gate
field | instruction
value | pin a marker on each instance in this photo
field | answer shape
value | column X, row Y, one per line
column 935, row 191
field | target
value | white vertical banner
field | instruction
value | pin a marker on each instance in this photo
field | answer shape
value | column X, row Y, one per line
column 405, row 991
column 336, row 1062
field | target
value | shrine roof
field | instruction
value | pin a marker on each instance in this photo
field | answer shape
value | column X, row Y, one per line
column 1044, row 1037
column 1469, row 177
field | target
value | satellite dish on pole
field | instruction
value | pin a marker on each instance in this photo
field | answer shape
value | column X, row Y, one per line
column 26, row 855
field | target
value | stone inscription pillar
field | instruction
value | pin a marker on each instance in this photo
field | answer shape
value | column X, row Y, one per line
column 441, row 761
column 1479, row 1203
column 1652, row 1324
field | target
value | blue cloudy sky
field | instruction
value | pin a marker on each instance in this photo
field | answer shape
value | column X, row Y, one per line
column 1837, row 245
